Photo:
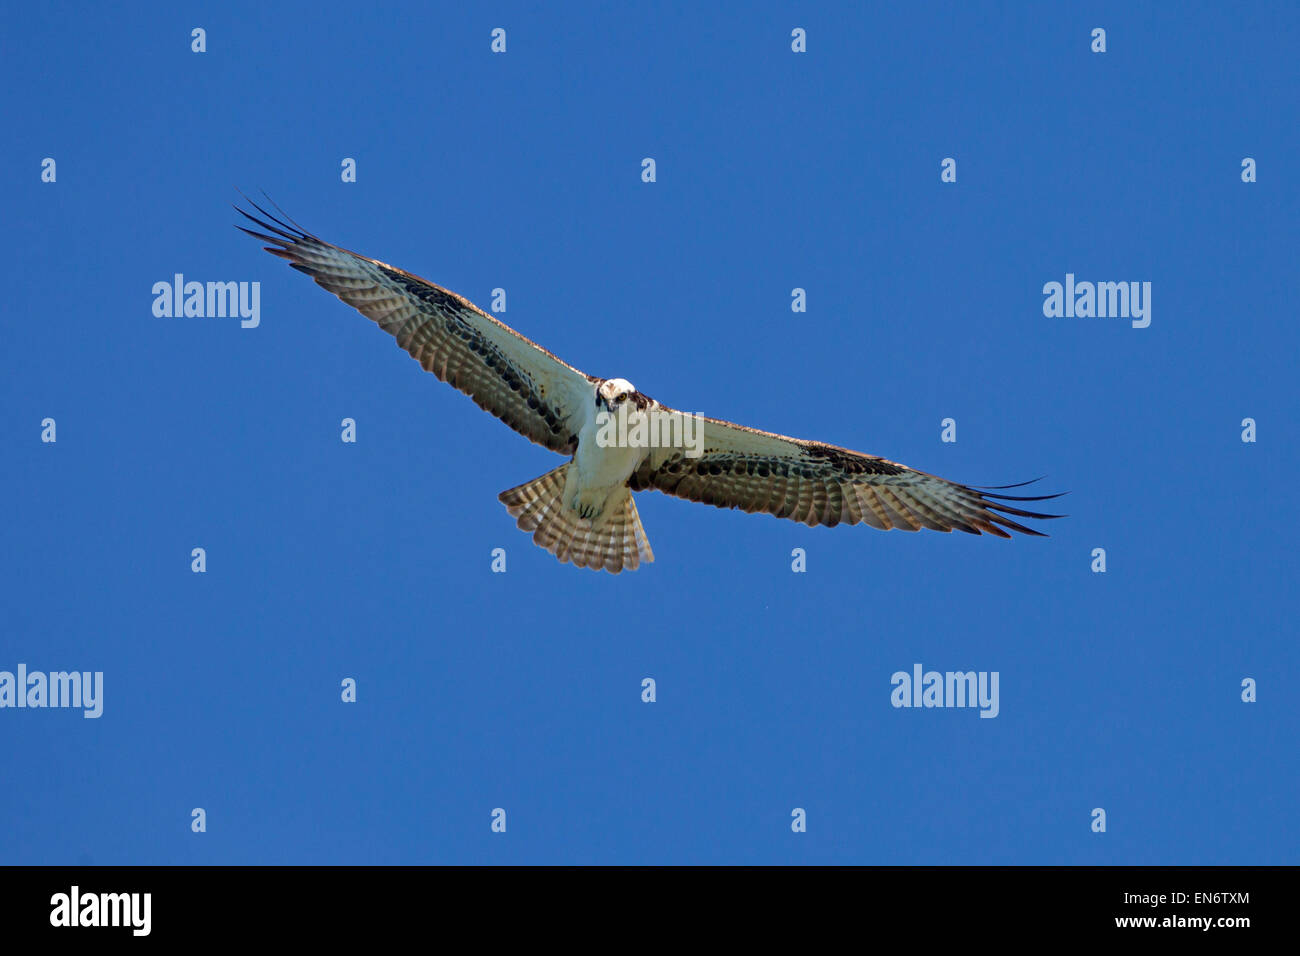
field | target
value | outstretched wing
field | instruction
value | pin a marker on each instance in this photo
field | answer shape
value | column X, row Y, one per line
column 821, row 484
column 515, row 379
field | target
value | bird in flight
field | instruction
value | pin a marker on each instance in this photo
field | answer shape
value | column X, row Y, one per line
column 621, row 441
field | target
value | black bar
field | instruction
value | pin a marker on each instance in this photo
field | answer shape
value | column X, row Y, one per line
column 207, row 904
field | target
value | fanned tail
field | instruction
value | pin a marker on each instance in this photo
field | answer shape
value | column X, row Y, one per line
column 613, row 542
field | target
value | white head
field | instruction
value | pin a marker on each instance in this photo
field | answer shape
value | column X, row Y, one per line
column 614, row 393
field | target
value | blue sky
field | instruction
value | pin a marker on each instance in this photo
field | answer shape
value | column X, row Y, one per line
column 775, row 170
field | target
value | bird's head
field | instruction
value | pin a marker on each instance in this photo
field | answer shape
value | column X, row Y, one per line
column 614, row 393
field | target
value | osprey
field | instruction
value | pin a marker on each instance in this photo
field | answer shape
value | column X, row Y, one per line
column 583, row 511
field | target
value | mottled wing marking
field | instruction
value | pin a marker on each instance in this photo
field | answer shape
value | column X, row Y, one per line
column 510, row 376
column 822, row 484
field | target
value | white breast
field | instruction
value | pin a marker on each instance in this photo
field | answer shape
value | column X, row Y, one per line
column 604, row 464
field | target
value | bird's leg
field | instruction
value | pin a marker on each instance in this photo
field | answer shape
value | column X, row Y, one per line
column 591, row 504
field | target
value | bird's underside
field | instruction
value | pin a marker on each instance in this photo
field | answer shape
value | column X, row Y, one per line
column 583, row 511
